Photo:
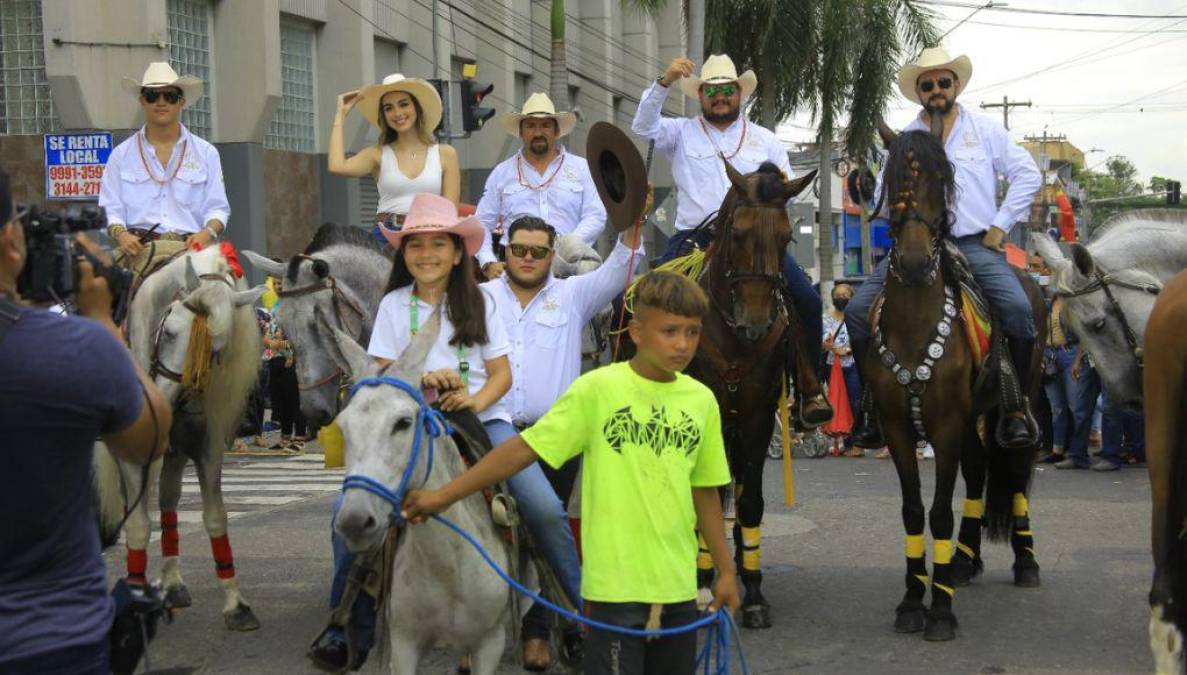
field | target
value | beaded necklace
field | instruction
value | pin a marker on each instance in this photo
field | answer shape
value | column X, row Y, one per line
column 741, row 138
column 147, row 168
column 524, row 181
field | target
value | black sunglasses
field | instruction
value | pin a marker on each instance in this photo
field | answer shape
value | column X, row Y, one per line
column 522, row 251
column 927, row 85
column 171, row 96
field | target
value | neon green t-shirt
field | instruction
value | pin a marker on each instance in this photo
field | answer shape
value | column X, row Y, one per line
column 646, row 445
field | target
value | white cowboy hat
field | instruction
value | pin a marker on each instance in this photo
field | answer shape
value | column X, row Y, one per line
column 719, row 69
column 933, row 58
column 161, row 74
column 424, row 93
column 538, row 105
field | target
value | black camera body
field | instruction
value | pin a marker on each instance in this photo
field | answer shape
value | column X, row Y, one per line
column 138, row 612
column 51, row 270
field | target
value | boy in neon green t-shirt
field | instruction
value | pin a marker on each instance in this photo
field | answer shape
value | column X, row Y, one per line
column 654, row 459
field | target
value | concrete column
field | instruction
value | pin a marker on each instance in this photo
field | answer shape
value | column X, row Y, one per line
column 345, row 61
column 85, row 78
column 243, row 173
column 246, row 60
column 339, row 197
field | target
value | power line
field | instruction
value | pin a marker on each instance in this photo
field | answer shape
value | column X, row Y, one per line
column 1052, row 12
column 1065, row 29
column 1150, row 95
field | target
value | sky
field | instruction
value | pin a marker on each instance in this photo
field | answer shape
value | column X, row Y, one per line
column 1113, row 86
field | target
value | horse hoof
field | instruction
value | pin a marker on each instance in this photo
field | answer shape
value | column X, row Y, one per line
column 178, row 597
column 909, row 620
column 1027, row 577
column 964, row 570
column 940, row 628
column 241, row 619
column 756, row 616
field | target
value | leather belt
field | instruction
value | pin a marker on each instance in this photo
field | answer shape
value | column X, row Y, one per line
column 146, row 235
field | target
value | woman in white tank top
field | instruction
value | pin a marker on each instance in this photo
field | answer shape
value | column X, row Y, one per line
column 406, row 160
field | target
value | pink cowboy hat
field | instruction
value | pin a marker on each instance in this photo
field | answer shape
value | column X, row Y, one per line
column 431, row 213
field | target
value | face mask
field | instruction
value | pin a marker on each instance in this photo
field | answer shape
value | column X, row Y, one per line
column 840, row 303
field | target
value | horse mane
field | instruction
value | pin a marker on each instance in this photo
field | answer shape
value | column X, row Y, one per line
column 330, row 234
column 922, row 147
column 1139, row 217
column 768, row 188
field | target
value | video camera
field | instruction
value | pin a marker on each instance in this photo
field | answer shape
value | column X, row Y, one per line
column 51, row 269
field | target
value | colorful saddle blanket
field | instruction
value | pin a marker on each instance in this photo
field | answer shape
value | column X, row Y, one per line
column 974, row 318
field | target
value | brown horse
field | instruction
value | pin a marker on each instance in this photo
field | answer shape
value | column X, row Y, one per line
column 743, row 356
column 1165, row 393
column 922, row 376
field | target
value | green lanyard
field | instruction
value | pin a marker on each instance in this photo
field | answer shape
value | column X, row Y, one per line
column 463, row 366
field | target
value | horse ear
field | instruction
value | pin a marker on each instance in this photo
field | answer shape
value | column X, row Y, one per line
column 346, row 353
column 191, row 276
column 1047, row 249
column 793, row 187
column 248, row 297
column 1083, row 260
column 411, row 364
column 886, row 133
column 737, row 179
column 265, row 265
column 321, row 268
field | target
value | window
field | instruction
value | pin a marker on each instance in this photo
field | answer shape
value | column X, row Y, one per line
column 189, row 54
column 292, row 126
column 26, row 106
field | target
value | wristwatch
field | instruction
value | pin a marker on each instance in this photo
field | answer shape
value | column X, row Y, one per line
column 116, row 230
column 213, row 232
column 660, row 81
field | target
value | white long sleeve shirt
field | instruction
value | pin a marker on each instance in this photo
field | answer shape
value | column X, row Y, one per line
column 137, row 191
column 569, row 202
column 693, row 146
column 546, row 335
column 980, row 148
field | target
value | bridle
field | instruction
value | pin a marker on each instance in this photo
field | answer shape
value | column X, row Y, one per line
column 906, row 210
column 733, row 277
column 1101, row 281
column 338, row 300
column 156, row 367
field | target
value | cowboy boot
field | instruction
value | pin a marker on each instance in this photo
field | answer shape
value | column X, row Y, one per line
column 1016, row 427
column 866, row 434
column 814, row 408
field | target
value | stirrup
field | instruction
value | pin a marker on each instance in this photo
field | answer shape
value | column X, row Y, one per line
column 1032, row 427
column 503, row 510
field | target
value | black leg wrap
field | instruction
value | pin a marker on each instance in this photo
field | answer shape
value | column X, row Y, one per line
column 756, row 613
column 910, row 614
column 941, row 622
column 966, row 566
column 1026, row 567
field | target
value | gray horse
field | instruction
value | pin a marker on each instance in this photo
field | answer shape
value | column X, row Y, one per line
column 1109, row 288
column 443, row 592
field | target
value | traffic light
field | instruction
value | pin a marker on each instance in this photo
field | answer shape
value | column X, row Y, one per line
column 1173, row 192
column 473, row 114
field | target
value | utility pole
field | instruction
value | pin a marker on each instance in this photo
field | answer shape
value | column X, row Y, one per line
column 1044, row 162
column 1005, row 105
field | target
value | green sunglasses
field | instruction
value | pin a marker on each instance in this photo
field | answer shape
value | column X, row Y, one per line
column 712, row 90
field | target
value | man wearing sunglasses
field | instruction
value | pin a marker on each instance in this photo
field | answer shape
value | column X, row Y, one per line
column 163, row 184
column 695, row 148
column 545, row 317
column 980, row 149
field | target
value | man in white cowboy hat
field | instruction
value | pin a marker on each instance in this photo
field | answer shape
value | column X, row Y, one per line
column 163, row 183
column 542, row 179
column 980, row 149
column 696, row 148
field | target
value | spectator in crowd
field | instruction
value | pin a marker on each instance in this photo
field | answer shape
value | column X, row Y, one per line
column 836, row 344
column 1061, row 387
column 1123, row 438
column 1081, row 400
column 282, row 386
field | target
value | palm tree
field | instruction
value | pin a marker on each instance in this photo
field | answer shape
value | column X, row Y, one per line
column 558, row 71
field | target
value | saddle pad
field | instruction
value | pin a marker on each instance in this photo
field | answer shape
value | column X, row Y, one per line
column 978, row 328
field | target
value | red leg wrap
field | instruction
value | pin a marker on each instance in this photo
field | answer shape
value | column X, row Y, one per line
column 224, row 562
column 137, row 565
column 169, row 539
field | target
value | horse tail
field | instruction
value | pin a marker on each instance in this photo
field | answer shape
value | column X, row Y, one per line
column 1008, row 472
column 109, row 494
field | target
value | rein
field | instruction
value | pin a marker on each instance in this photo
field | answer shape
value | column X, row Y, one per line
column 156, row 367
column 338, row 299
column 733, row 277
column 1100, row 282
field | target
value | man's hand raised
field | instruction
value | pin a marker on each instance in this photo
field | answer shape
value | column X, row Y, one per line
column 678, row 68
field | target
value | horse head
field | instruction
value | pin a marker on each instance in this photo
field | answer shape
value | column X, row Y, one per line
column 307, row 285
column 752, row 235
column 379, row 429
column 918, row 187
column 197, row 326
column 1108, row 313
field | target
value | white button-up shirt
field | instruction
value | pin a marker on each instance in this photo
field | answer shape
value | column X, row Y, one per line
column 980, row 148
column 137, row 191
column 569, row 203
column 546, row 335
column 693, row 146
column 393, row 333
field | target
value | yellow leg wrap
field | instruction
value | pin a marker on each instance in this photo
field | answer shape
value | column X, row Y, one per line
column 704, row 560
column 943, row 551
column 923, row 578
column 752, row 560
column 974, row 508
column 1021, row 506
column 965, row 549
column 752, row 548
column 915, row 545
column 947, row 589
column 1024, row 533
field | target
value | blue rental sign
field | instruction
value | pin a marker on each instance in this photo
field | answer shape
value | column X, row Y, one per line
column 74, row 164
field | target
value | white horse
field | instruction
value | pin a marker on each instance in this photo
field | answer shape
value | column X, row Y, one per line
column 442, row 589
column 192, row 327
column 1109, row 288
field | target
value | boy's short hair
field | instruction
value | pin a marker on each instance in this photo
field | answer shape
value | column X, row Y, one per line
column 532, row 224
column 672, row 293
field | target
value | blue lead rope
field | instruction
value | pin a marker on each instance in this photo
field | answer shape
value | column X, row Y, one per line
column 432, row 424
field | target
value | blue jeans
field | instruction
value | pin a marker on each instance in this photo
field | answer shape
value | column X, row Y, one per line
column 540, row 509
column 997, row 279
column 1082, row 397
column 804, row 298
column 1059, row 393
column 1122, row 433
column 92, row 659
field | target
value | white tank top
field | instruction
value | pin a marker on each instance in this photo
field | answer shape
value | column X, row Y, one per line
column 396, row 189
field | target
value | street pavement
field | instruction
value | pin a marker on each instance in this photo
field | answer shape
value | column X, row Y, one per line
column 834, row 573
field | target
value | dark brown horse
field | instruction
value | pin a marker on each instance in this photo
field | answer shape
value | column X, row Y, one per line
column 745, row 351
column 921, row 374
column 1165, row 393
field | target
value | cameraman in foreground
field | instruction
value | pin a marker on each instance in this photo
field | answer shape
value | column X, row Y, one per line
column 64, row 381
